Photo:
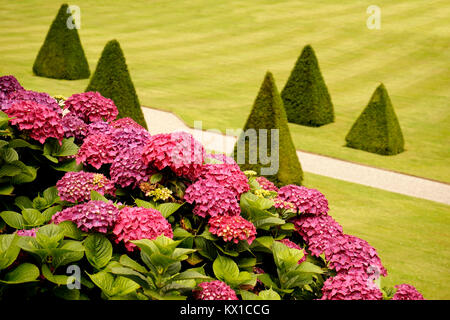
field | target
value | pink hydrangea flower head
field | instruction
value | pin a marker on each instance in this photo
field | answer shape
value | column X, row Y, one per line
column 27, row 233
column 97, row 150
column 227, row 174
column 407, row 292
column 77, row 186
column 352, row 253
column 293, row 245
column 95, row 216
column 232, row 228
column 214, row 290
column 92, row 106
column 178, row 151
column 305, row 200
column 39, row 121
column 281, row 204
column 129, row 169
column 350, row 286
column 211, row 198
column 266, row 184
column 319, row 232
column 74, row 127
column 140, row 223
column 8, row 85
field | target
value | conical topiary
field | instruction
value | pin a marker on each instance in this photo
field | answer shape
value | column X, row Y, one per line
column 62, row 56
column 268, row 113
column 112, row 79
column 377, row 129
column 305, row 95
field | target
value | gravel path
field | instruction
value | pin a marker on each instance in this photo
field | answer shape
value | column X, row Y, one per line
column 166, row 122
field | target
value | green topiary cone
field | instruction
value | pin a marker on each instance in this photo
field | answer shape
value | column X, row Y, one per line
column 377, row 129
column 268, row 113
column 305, row 95
column 62, row 56
column 112, row 79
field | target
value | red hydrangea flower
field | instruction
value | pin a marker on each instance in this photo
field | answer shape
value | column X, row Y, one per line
column 305, row 200
column 77, row 186
column 266, row 184
column 27, row 233
column 74, row 127
column 407, row 292
column 8, row 84
column 95, row 215
column 97, row 150
column 293, row 245
column 227, row 174
column 129, row 137
column 140, row 223
column 41, row 98
column 214, row 290
column 232, row 228
column 178, row 151
column 129, row 169
column 39, row 121
column 211, row 199
column 280, row 204
column 92, row 106
column 350, row 286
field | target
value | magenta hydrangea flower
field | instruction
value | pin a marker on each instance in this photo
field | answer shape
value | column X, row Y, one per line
column 77, row 186
column 99, row 127
column 95, row 215
column 211, row 198
column 350, row 252
column 293, row 245
column 266, row 184
column 214, row 290
column 92, row 106
column 41, row 98
column 319, row 232
column 8, row 85
column 350, row 286
column 281, row 204
column 129, row 169
column 407, row 292
column 140, row 223
column 232, row 228
column 97, row 150
column 305, row 200
column 129, row 137
column 227, row 174
column 74, row 127
column 39, row 121
column 27, row 233
column 178, row 151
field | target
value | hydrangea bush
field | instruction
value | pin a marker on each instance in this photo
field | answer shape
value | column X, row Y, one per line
column 156, row 218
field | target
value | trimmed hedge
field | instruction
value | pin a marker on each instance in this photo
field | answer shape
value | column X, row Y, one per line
column 112, row 79
column 62, row 56
column 268, row 113
column 377, row 129
column 305, row 95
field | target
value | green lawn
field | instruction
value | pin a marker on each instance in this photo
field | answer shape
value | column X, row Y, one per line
column 411, row 235
column 205, row 60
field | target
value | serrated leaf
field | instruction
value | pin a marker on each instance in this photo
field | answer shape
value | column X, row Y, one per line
column 49, row 212
column 145, row 204
column 6, row 189
column 168, row 209
column 49, row 236
column 225, row 268
column 23, row 202
column 155, row 178
column 68, row 166
column 98, row 250
column 98, row 196
column 269, row 295
column 9, row 249
column 9, row 155
column 33, row 217
column 70, row 230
